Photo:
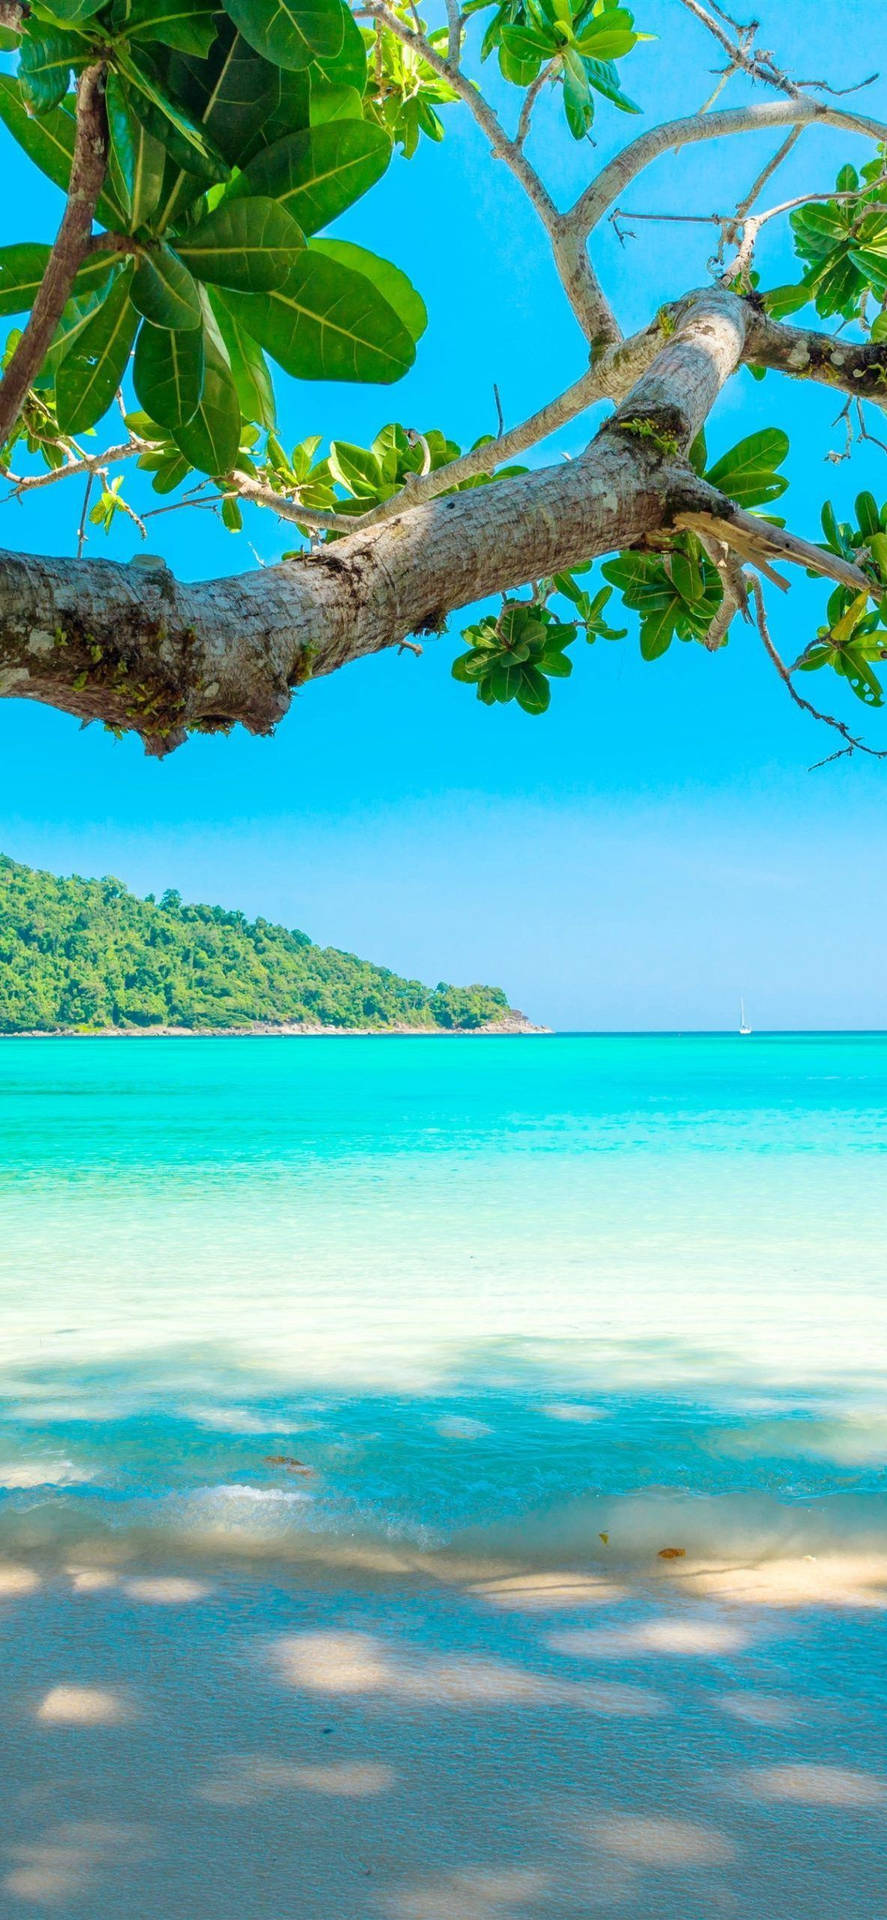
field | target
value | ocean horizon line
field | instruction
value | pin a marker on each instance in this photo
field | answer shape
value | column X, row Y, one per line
column 536, row 1032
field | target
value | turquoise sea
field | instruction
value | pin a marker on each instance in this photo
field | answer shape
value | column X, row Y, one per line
column 498, row 1295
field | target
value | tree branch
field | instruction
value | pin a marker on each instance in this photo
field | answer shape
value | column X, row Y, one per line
column 759, row 544
column 71, row 244
column 454, row 34
column 581, row 285
column 133, row 647
column 606, row 189
column 592, row 386
column 286, row 509
column 87, row 463
column 742, row 53
column 850, row 366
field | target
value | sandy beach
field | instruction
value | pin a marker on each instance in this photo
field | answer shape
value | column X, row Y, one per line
column 348, row 1399
column 189, row 1739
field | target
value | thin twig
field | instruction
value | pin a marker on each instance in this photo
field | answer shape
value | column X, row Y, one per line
column 526, row 112
column 740, row 47
column 592, row 386
column 454, row 37
column 767, row 172
column 854, row 744
column 261, row 496
column 723, row 80
column 87, row 463
column 81, row 530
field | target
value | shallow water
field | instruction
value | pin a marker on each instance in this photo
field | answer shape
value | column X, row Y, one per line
column 500, row 1296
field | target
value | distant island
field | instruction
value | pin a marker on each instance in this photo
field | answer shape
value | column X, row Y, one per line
column 88, row 956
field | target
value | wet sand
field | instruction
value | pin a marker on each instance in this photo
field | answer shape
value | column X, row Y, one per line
column 206, row 1741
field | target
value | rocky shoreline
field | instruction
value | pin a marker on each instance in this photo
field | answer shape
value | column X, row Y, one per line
column 511, row 1024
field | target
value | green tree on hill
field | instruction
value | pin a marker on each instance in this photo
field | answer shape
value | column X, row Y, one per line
column 89, row 954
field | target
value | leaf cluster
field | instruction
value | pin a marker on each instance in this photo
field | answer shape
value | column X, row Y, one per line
column 353, row 480
column 843, row 243
column 574, row 43
column 679, row 593
column 855, row 633
column 404, row 92
column 235, row 137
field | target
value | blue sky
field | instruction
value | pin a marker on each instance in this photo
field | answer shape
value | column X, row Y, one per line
column 651, row 848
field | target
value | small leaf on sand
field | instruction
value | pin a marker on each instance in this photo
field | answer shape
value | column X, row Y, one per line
column 605, row 1537
column 672, row 1553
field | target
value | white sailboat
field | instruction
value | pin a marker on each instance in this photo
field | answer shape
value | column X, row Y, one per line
column 743, row 1023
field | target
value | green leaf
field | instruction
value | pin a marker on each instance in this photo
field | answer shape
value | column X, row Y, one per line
column 868, row 518
column 357, row 469
column 348, row 67
column 248, row 244
column 249, row 368
column 91, row 371
column 578, row 103
column 164, row 291
column 533, row 691
column 504, row 679
column 530, row 43
column 210, row 441
column 76, row 314
column 388, row 280
column 49, row 142
column 335, row 103
column 686, row 573
column 243, row 102
column 872, row 263
column 854, row 667
column 74, row 10
column 747, row 473
column 609, row 37
column 169, row 469
column 519, row 62
column 45, row 67
column 168, row 371
column 290, row 32
column 781, row 301
column 136, row 160
column 327, row 323
column 878, row 546
column 555, row 663
column 188, row 25
column 602, row 75
column 183, row 139
column 657, row 631
column 814, row 658
column 315, row 175
column 22, row 269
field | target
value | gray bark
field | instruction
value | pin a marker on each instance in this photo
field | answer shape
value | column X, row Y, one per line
column 134, row 647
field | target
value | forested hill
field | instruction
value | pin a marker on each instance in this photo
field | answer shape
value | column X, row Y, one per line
column 89, row 954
